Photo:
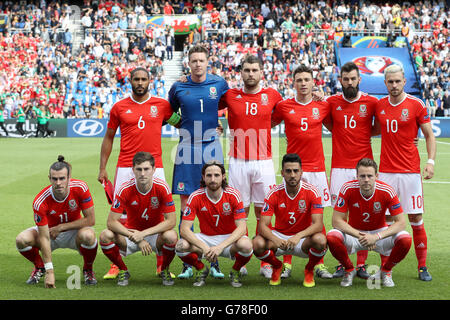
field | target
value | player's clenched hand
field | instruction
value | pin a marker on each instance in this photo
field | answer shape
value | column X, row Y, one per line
column 102, row 175
column 145, row 247
column 213, row 253
column 280, row 243
column 136, row 237
column 50, row 279
column 318, row 95
column 54, row 232
column 292, row 242
column 368, row 240
column 183, row 78
column 428, row 171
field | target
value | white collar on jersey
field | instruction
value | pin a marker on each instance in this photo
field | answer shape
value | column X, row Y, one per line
column 374, row 189
column 149, row 96
column 300, row 188
column 215, row 202
column 303, row 104
column 144, row 194
column 260, row 88
column 394, row 105
column 59, row 201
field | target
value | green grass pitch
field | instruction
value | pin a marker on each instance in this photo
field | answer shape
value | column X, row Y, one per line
column 24, row 170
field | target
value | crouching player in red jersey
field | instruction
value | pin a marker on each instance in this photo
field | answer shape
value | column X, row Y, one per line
column 59, row 224
column 150, row 220
column 360, row 223
column 223, row 226
column 298, row 210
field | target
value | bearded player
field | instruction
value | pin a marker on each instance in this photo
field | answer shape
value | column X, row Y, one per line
column 251, row 168
column 221, row 215
column 298, row 227
column 351, row 117
column 140, row 118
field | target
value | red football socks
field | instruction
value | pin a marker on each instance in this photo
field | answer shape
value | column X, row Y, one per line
column 32, row 254
column 399, row 252
column 111, row 250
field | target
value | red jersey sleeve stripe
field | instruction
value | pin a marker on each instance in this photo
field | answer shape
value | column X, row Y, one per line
column 126, row 185
column 314, row 189
column 162, row 183
column 273, row 190
column 194, row 194
column 80, row 184
column 37, row 203
column 387, row 189
column 417, row 99
column 233, row 192
column 349, row 185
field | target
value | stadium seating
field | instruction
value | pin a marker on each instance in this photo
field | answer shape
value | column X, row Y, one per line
column 42, row 63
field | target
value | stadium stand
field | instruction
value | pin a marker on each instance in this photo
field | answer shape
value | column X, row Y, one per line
column 76, row 60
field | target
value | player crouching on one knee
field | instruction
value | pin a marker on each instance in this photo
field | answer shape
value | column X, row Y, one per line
column 297, row 207
column 222, row 219
column 150, row 220
column 359, row 223
column 59, row 224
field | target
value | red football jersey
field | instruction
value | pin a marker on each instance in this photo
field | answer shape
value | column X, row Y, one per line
column 399, row 126
column 352, row 125
column 51, row 212
column 143, row 210
column 292, row 215
column 215, row 218
column 367, row 214
column 249, row 119
column 140, row 127
column 303, row 127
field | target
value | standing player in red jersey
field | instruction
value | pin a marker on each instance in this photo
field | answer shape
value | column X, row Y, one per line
column 223, row 228
column 400, row 116
column 303, row 119
column 59, row 224
column 298, row 229
column 251, row 169
column 150, row 220
column 360, row 223
column 140, row 118
column 350, row 119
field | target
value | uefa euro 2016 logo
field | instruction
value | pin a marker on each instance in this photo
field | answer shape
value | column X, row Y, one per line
column 374, row 66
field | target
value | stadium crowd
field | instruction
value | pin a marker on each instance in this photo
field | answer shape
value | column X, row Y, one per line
column 39, row 66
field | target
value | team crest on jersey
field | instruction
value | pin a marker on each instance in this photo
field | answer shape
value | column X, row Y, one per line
column 363, row 110
column 155, row 202
column 377, row 207
column 302, row 206
column 72, row 205
column 315, row 113
column 405, row 115
column 180, row 186
column 265, row 207
column 153, row 111
column 226, row 208
column 264, row 99
column 213, row 92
